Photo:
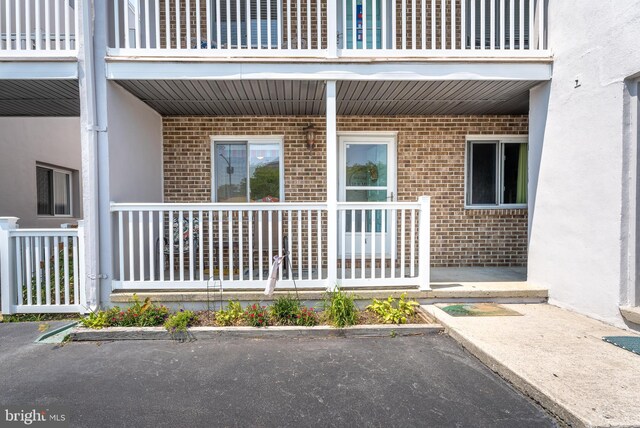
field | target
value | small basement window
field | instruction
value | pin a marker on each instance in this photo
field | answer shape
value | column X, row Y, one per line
column 497, row 173
column 54, row 190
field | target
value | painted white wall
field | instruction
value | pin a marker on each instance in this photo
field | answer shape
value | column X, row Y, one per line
column 578, row 181
column 135, row 148
column 24, row 141
column 134, row 173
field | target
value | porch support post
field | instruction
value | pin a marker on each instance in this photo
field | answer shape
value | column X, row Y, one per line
column 424, row 244
column 7, row 265
column 332, row 186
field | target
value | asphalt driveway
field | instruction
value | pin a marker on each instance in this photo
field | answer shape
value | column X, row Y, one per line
column 404, row 382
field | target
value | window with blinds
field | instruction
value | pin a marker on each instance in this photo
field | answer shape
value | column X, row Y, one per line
column 53, row 191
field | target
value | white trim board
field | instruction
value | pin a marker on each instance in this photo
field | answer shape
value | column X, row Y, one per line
column 402, row 71
column 39, row 70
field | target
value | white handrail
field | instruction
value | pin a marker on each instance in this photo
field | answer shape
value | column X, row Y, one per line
column 308, row 28
column 258, row 206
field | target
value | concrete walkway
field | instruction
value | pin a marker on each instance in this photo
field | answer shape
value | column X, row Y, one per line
column 558, row 358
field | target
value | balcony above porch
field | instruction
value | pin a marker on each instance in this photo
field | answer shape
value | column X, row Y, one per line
column 329, row 31
column 39, row 30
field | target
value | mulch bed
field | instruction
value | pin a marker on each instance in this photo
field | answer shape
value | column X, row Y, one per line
column 207, row 319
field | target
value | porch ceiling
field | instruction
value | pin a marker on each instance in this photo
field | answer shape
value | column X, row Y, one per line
column 39, row 98
column 372, row 98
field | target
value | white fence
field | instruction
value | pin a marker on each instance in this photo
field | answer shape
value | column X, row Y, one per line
column 41, row 269
column 168, row 246
column 38, row 27
column 277, row 28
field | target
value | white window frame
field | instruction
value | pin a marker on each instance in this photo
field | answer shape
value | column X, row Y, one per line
column 248, row 139
column 500, row 140
column 356, row 137
column 54, row 169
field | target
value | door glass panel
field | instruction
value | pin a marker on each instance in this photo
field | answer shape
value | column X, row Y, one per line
column 366, row 165
column 264, row 170
column 365, row 196
column 231, row 172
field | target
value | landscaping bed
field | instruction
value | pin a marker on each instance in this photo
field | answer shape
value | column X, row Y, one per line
column 337, row 315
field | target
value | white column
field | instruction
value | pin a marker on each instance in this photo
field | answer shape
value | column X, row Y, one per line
column 332, row 31
column 332, row 186
column 89, row 147
column 6, row 263
column 424, row 244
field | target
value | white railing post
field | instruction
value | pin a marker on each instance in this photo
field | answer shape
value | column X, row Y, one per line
column 332, row 29
column 7, row 269
column 424, row 244
column 82, row 283
column 332, row 186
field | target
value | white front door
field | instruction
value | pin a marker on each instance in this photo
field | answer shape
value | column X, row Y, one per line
column 367, row 173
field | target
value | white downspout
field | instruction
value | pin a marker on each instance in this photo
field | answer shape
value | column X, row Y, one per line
column 89, row 139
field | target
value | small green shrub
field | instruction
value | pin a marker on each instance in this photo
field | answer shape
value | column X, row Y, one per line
column 285, row 310
column 95, row 320
column 307, row 317
column 390, row 312
column 140, row 314
column 407, row 306
column 231, row 315
column 145, row 314
column 179, row 321
column 340, row 308
column 257, row 316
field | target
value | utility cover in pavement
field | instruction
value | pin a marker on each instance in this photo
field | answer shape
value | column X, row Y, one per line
column 478, row 310
column 630, row 343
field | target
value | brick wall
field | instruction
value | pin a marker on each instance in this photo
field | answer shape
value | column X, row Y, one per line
column 431, row 152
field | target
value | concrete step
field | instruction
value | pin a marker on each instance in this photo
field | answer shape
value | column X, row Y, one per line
column 502, row 292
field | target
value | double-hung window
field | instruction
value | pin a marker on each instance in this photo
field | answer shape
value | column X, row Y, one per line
column 497, row 173
column 248, row 170
column 54, row 187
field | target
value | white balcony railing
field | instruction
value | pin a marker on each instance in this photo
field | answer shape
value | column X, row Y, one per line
column 316, row 28
column 38, row 27
column 167, row 246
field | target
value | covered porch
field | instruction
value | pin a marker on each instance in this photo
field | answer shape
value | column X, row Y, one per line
column 411, row 214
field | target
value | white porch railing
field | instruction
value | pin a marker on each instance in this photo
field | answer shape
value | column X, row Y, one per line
column 41, row 269
column 38, row 27
column 315, row 28
column 183, row 245
column 171, row 246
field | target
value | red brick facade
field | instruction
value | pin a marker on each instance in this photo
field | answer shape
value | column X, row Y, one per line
column 430, row 156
